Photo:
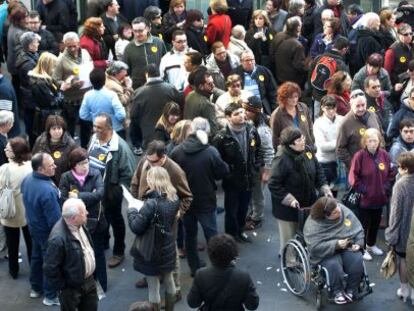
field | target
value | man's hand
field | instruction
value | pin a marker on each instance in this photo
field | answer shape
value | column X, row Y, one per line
column 295, row 204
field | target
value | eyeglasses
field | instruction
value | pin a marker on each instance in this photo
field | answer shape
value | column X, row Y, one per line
column 357, row 94
column 247, row 60
column 406, row 34
column 138, row 30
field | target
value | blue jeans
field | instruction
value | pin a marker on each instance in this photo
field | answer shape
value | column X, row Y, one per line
column 37, row 278
column 208, row 222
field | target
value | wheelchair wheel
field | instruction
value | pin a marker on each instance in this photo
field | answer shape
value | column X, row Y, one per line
column 318, row 300
column 296, row 268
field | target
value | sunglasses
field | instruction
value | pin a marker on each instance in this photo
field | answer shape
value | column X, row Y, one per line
column 407, row 34
column 357, row 95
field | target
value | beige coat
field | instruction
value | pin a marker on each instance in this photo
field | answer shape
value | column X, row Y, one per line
column 124, row 94
column 17, row 174
column 410, row 255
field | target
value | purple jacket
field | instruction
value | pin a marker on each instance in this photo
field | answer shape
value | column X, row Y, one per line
column 372, row 176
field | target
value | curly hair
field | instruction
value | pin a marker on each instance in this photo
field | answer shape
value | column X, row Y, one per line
column 21, row 149
column 335, row 85
column 91, row 27
column 285, row 91
column 222, row 250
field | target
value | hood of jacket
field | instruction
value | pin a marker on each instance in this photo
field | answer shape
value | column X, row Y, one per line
column 365, row 32
column 24, row 57
column 195, row 142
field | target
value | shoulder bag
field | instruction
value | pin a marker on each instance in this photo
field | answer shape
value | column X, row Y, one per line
column 389, row 265
column 7, row 204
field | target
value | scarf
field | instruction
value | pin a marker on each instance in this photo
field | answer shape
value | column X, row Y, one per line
column 364, row 118
column 80, row 178
column 300, row 166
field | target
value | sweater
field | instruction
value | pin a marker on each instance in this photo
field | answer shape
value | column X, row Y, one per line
column 325, row 132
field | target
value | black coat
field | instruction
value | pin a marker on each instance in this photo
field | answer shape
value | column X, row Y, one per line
column 240, row 13
column 208, row 286
column 140, row 221
column 203, row 166
column 48, row 42
column 91, row 193
column 196, row 39
column 25, row 62
column 8, row 98
column 3, row 143
column 64, row 266
column 286, row 179
column 368, row 42
column 267, row 86
column 258, row 46
column 46, row 94
column 111, row 29
column 241, row 170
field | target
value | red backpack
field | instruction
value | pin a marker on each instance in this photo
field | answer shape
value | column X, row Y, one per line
column 324, row 68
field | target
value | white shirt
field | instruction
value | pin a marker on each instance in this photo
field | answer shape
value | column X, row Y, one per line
column 325, row 132
column 172, row 69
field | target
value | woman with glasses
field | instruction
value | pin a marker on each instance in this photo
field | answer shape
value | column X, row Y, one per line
column 408, row 84
column 296, row 180
column 402, row 202
column 18, row 153
column 371, row 175
column 194, row 29
column 400, row 53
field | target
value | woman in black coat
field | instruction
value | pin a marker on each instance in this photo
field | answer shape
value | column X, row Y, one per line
column 160, row 205
column 194, row 29
column 223, row 286
column 86, row 183
column 297, row 180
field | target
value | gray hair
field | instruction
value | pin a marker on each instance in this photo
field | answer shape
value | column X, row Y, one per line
column 200, row 124
column 246, row 52
column 70, row 36
column 370, row 18
column 71, row 207
column 238, row 32
column 295, row 6
column 6, row 117
column 116, row 67
column 326, row 12
column 27, row 38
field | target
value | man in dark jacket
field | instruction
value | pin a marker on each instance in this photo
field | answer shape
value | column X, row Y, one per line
column 203, row 166
column 112, row 21
column 238, row 144
column 240, row 12
column 133, row 8
column 41, row 200
column 48, row 42
column 147, row 104
column 8, row 101
column 70, row 261
column 258, row 80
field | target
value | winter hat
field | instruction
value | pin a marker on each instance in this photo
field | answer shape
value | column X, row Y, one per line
column 253, row 104
column 289, row 135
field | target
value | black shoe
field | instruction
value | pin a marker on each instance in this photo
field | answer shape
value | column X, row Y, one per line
column 244, row 238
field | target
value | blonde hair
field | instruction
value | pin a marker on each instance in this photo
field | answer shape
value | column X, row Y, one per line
column 369, row 133
column 159, row 180
column 45, row 65
column 180, row 131
column 219, row 6
column 170, row 108
column 258, row 13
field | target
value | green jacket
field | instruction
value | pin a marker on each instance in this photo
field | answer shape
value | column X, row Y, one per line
column 199, row 105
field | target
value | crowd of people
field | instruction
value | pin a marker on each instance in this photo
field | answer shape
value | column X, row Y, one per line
column 310, row 100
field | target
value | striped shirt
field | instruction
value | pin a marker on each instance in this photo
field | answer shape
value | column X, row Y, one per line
column 98, row 156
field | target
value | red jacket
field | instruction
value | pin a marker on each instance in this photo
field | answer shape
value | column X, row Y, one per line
column 94, row 49
column 372, row 176
column 218, row 29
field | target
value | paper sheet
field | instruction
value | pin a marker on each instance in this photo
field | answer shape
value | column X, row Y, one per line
column 129, row 201
column 84, row 71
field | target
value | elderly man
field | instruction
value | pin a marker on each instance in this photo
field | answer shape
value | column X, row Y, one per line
column 143, row 50
column 220, row 63
column 70, row 260
column 42, row 203
column 48, row 42
column 355, row 122
column 257, row 80
column 67, row 69
column 237, row 44
column 111, row 155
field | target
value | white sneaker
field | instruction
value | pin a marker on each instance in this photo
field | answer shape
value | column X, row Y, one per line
column 375, row 250
column 51, row 302
column 34, row 294
column 367, row 256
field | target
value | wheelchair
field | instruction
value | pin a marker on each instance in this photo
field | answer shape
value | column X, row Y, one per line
column 300, row 275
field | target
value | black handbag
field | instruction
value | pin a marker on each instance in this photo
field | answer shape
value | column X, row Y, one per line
column 352, row 199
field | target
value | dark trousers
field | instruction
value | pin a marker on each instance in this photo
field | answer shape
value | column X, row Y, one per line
column 98, row 239
column 71, row 115
column 28, row 118
column 13, row 241
column 180, row 234
column 330, row 171
column 113, row 214
column 370, row 220
column 208, row 223
column 85, row 132
column 82, row 298
column 236, row 204
column 37, row 279
column 344, row 262
column 135, row 133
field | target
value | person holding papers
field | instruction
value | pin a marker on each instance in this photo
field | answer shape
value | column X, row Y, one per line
column 85, row 183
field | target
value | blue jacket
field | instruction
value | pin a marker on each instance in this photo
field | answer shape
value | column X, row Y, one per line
column 405, row 112
column 41, row 200
column 103, row 100
column 319, row 46
column 397, row 148
column 8, row 98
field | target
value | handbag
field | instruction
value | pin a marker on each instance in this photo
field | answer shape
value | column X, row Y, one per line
column 7, row 204
column 351, row 199
column 389, row 265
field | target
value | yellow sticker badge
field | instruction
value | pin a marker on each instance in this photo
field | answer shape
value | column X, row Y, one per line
column 303, row 118
column 372, row 109
column 75, row 71
column 381, row 166
column 160, row 36
column 361, row 131
column 205, row 38
column 57, row 154
column 309, row 155
column 101, row 157
column 270, row 36
column 253, row 143
column 347, row 222
column 261, row 78
column 403, row 59
column 154, row 49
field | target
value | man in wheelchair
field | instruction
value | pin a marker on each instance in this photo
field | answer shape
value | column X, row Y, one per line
column 334, row 238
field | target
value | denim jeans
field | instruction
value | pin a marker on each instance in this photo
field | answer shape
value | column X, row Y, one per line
column 236, row 204
column 37, row 278
column 208, row 222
